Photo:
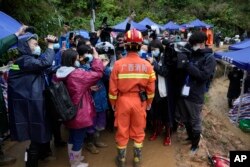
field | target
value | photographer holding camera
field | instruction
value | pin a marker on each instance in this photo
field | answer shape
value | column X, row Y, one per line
column 26, row 83
column 199, row 68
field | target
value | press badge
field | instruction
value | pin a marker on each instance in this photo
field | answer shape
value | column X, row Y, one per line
column 185, row 90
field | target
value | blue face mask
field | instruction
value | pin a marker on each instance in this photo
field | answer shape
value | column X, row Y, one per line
column 90, row 56
column 77, row 63
column 56, row 46
column 145, row 41
column 37, row 51
column 156, row 53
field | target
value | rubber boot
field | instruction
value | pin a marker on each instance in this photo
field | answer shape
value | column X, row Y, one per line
column 6, row 160
column 32, row 155
column 97, row 141
column 137, row 154
column 189, row 132
column 195, row 142
column 75, row 159
column 56, row 131
column 121, row 156
column 90, row 146
column 45, row 152
column 167, row 140
column 157, row 130
column 70, row 146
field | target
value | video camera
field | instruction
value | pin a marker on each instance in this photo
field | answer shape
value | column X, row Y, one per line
column 106, row 30
column 105, row 48
column 153, row 31
column 177, row 54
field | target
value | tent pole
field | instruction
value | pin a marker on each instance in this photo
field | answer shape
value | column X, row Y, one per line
column 241, row 95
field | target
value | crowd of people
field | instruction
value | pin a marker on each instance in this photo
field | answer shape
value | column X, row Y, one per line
column 138, row 81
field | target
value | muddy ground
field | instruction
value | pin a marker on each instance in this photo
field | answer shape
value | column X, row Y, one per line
column 219, row 137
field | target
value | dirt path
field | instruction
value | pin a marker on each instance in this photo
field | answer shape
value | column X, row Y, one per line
column 219, row 137
column 154, row 155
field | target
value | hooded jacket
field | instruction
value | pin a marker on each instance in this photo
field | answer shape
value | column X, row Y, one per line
column 28, row 119
column 200, row 69
column 78, row 83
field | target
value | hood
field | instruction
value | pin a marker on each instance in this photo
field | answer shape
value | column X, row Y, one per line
column 22, row 44
column 202, row 52
column 64, row 71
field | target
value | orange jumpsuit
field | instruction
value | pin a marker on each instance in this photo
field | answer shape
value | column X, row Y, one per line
column 130, row 75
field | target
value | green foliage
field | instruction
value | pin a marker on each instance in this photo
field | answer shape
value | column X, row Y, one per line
column 47, row 16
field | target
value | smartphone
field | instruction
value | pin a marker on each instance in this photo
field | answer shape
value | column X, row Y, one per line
column 63, row 44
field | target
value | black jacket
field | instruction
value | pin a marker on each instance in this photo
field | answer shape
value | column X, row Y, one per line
column 234, row 89
column 200, row 69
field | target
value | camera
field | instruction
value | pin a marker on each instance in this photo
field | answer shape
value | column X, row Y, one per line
column 105, row 48
column 106, row 30
column 153, row 31
column 177, row 53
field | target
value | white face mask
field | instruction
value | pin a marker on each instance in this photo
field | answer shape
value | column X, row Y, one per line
column 90, row 56
column 196, row 47
column 77, row 63
column 37, row 51
column 156, row 53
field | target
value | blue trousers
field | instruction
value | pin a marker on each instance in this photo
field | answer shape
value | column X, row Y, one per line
column 76, row 137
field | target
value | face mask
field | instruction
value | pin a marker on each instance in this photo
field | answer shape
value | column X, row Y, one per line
column 77, row 63
column 37, row 51
column 141, row 52
column 145, row 41
column 56, row 46
column 156, row 53
column 196, row 47
column 90, row 57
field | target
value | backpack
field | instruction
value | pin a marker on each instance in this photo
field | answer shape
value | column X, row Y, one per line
column 58, row 102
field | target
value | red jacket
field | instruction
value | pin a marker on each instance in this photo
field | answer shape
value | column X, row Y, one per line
column 78, row 83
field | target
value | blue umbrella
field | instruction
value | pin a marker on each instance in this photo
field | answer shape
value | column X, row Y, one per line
column 8, row 25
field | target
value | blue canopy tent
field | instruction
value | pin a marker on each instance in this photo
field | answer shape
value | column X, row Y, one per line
column 121, row 27
column 199, row 24
column 241, row 59
column 8, row 25
column 242, row 45
column 148, row 21
column 171, row 26
column 186, row 26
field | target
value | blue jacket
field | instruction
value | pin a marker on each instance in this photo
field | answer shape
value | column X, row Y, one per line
column 28, row 119
column 100, row 96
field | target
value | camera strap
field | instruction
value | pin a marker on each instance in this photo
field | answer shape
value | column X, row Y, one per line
column 187, row 80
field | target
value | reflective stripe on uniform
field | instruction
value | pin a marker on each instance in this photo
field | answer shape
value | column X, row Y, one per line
column 150, row 96
column 152, row 75
column 112, row 97
column 133, row 76
column 14, row 67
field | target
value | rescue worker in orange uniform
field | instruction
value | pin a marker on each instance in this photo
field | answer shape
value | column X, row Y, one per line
column 132, row 85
